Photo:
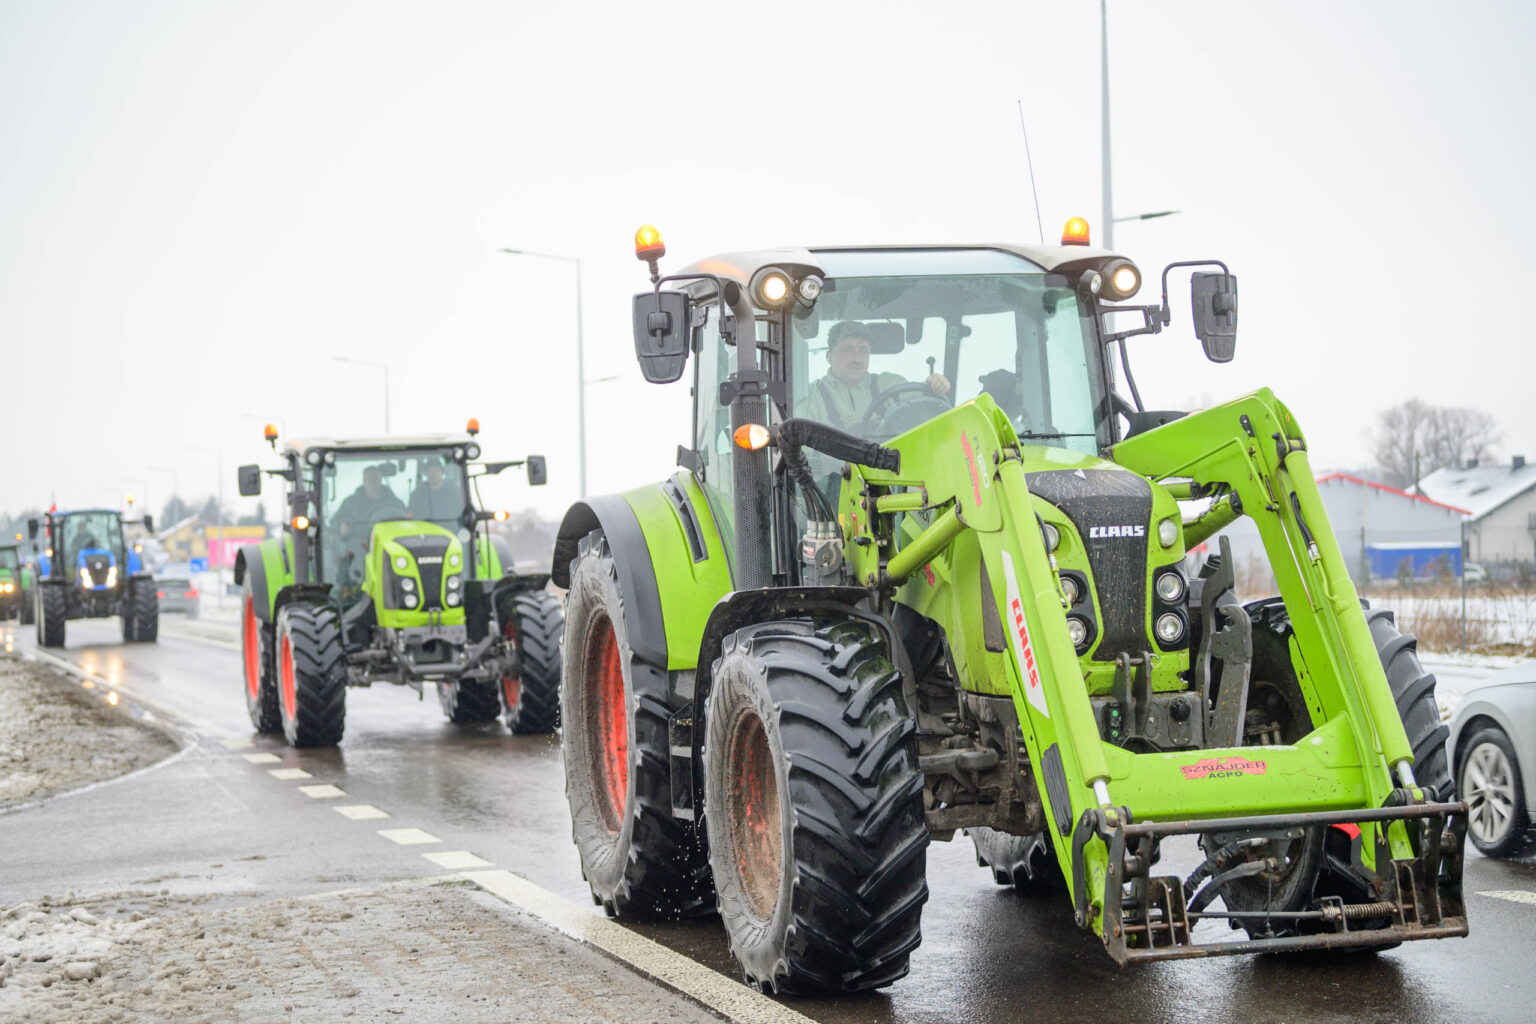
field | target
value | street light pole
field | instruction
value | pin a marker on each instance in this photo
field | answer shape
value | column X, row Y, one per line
column 581, row 374
column 378, row 366
column 1109, row 206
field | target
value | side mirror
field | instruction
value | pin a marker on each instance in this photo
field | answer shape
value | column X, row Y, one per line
column 661, row 335
column 1214, row 301
column 32, row 529
column 538, row 471
column 250, row 480
column 149, row 524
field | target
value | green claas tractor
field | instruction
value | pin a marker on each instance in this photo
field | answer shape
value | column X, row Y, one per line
column 15, row 585
column 383, row 575
column 923, row 569
column 89, row 571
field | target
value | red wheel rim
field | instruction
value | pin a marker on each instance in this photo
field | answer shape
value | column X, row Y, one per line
column 752, row 807
column 290, row 699
column 511, row 686
column 607, row 721
column 251, row 652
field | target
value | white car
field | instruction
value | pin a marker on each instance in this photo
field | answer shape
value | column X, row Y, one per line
column 1492, row 748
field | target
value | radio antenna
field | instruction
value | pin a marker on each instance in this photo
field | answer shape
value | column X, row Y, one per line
column 1031, row 165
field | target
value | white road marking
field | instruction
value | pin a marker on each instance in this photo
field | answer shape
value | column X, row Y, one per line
column 287, row 774
column 261, row 758
column 325, row 791
column 235, row 743
column 712, row 990
column 1513, row 895
column 457, row 860
column 361, row 812
column 408, row 836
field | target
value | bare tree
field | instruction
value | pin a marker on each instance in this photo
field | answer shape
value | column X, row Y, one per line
column 1413, row 439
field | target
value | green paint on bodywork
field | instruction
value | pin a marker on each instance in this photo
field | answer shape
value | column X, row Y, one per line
column 487, row 561
column 688, row 589
column 388, row 557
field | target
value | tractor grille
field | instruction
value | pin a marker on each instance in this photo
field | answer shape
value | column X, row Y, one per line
column 97, row 566
column 429, row 552
column 1108, row 498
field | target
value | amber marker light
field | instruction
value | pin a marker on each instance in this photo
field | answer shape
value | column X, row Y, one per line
column 751, row 436
column 473, row 426
column 501, row 515
column 648, row 243
column 269, row 433
column 301, row 522
column 1074, row 231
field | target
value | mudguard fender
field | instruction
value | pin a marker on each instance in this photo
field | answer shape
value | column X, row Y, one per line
column 637, row 578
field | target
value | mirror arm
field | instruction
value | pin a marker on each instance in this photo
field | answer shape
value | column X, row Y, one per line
column 1154, row 319
column 1166, row 317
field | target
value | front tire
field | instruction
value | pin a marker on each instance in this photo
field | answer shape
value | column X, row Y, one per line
column 53, row 610
column 25, row 612
column 311, row 675
column 639, row 861
column 1028, row 863
column 1489, row 780
column 531, row 698
column 467, row 701
column 256, row 660
column 813, row 807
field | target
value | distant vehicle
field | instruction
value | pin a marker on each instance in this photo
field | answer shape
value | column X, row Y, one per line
column 1493, row 750
column 90, row 571
column 15, row 585
column 178, row 594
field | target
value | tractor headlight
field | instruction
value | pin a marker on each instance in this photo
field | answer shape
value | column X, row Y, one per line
column 85, row 576
column 453, row 561
column 407, row 584
column 458, row 454
column 111, row 575
column 1167, row 532
column 453, row 599
column 401, row 562
column 312, row 457
column 411, row 600
column 453, row 582
column 1121, row 280
column 1170, row 587
column 1077, row 629
column 770, row 288
column 1052, row 536
column 1069, row 588
column 810, row 289
column 1169, row 628
column 472, row 450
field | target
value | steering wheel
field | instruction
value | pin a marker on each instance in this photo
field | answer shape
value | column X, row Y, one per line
column 876, row 412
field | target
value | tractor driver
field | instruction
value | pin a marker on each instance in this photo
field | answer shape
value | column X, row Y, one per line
column 363, row 507
column 842, row 397
column 433, row 499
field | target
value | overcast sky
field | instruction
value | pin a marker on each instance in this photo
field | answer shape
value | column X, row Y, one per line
column 202, row 203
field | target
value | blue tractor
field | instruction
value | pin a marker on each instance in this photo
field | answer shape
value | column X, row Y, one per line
column 89, row 571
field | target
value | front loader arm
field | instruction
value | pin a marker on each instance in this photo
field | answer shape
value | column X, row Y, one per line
column 1252, row 448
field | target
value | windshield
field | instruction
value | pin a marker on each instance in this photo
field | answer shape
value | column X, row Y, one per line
column 881, row 355
column 90, row 531
column 359, row 489
column 9, row 559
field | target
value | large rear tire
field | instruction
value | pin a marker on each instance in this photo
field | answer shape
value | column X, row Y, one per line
column 141, row 612
column 1321, row 861
column 53, row 611
column 639, row 861
column 256, row 660
column 467, row 701
column 311, row 675
column 531, row 698
column 1028, row 863
column 813, row 807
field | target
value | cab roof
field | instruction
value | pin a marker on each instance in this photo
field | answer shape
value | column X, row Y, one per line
column 398, row 443
column 740, row 266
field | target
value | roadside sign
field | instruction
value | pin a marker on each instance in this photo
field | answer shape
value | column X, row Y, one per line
column 197, row 565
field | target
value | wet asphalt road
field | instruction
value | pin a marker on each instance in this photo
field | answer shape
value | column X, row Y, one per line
column 211, row 821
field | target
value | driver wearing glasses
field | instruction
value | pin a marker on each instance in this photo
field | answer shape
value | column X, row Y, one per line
column 842, row 397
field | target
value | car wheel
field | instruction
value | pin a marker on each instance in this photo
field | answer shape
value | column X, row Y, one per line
column 1489, row 781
